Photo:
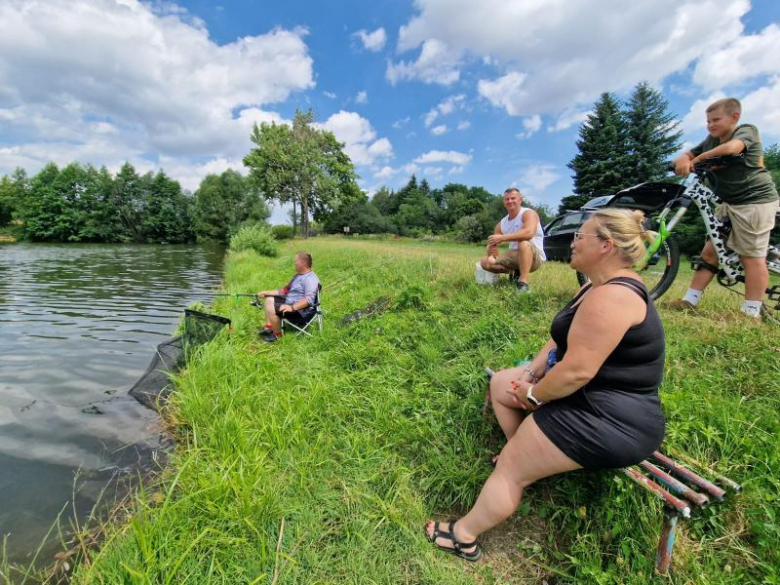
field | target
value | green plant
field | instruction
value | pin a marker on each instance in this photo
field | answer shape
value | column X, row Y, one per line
column 282, row 232
column 255, row 237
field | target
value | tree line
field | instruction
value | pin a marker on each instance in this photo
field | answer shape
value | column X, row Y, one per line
column 79, row 203
column 465, row 213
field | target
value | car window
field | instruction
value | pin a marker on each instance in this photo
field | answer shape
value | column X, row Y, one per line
column 573, row 220
column 553, row 226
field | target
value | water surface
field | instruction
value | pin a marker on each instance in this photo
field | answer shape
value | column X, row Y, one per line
column 78, row 325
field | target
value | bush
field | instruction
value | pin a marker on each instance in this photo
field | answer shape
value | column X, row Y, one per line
column 469, row 229
column 282, row 232
column 255, row 237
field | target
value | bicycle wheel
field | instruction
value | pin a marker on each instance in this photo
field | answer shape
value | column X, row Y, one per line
column 659, row 274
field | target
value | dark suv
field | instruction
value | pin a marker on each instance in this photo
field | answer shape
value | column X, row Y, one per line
column 559, row 233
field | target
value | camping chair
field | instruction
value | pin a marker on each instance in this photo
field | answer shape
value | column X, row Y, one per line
column 302, row 327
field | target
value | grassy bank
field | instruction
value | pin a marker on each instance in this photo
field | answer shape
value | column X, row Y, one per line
column 318, row 460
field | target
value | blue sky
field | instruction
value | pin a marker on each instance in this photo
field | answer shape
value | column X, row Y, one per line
column 486, row 93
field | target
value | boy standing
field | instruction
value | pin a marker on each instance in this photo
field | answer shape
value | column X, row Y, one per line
column 750, row 201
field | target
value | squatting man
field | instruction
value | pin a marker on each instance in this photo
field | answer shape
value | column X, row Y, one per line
column 523, row 230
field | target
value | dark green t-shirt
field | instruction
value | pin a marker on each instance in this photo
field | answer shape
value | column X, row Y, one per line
column 746, row 182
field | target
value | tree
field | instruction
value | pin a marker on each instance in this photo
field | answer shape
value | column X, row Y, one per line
column 223, row 202
column 303, row 165
column 653, row 134
column 126, row 200
column 41, row 205
column 7, row 197
column 601, row 166
column 166, row 211
column 361, row 216
column 772, row 162
column 12, row 191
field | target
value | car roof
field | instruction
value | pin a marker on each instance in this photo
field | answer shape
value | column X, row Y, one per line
column 597, row 202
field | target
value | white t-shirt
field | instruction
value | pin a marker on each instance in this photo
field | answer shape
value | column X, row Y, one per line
column 511, row 226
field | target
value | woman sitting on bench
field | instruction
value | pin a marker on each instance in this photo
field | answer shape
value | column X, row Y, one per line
column 598, row 406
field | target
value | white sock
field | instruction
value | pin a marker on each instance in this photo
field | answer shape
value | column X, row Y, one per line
column 751, row 308
column 693, row 296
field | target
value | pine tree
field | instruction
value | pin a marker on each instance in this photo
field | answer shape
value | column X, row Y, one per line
column 653, row 134
column 600, row 166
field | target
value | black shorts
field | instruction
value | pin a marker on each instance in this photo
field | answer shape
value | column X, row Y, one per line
column 299, row 318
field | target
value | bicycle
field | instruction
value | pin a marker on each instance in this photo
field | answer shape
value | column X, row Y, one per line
column 672, row 201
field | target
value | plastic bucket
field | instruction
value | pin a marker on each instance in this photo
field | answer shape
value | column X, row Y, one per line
column 485, row 277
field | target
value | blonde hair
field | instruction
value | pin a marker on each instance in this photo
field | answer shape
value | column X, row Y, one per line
column 625, row 227
column 729, row 105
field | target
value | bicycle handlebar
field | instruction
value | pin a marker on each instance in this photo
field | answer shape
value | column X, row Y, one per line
column 708, row 165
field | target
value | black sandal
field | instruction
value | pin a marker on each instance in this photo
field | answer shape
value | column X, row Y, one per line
column 457, row 546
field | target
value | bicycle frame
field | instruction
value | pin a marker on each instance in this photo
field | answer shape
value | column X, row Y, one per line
column 703, row 197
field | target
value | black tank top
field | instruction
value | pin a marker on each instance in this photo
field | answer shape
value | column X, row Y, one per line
column 636, row 365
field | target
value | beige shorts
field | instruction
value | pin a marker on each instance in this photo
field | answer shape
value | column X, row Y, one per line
column 509, row 259
column 751, row 226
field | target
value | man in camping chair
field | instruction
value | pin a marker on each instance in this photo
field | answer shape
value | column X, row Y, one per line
column 294, row 302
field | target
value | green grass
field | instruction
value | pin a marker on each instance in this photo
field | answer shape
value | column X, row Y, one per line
column 318, row 460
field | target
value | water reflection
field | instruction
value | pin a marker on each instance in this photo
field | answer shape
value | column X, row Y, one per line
column 78, row 324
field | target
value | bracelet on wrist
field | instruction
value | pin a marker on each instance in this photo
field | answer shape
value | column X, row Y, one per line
column 533, row 374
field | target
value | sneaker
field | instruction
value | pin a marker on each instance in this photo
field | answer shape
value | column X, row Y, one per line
column 268, row 335
column 523, row 287
column 682, row 305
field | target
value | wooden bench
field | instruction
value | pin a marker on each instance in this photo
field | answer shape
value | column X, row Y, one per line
column 679, row 488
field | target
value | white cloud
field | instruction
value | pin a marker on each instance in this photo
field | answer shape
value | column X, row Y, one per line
column 504, row 91
column 744, row 58
column 434, row 172
column 372, row 41
column 558, row 54
column 439, row 130
column 531, row 126
column 359, row 138
column 361, row 97
column 760, row 108
column 568, row 118
column 536, row 178
column 445, row 107
column 456, row 170
column 464, row 125
column 330, row 94
column 398, row 124
column 437, row 63
column 386, row 172
column 450, row 156
column 152, row 78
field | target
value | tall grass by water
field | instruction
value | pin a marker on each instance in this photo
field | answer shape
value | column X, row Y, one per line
column 318, row 460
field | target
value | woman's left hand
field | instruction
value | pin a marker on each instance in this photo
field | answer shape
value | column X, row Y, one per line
column 518, row 391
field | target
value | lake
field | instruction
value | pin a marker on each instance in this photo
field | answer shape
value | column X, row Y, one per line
column 78, row 326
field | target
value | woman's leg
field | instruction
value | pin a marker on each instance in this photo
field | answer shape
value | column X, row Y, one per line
column 507, row 411
column 527, row 457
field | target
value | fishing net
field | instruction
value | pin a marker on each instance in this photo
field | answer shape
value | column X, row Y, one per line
column 154, row 386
